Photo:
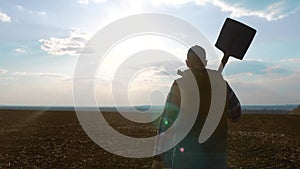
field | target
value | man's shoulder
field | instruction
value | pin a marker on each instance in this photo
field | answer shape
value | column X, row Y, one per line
column 199, row 73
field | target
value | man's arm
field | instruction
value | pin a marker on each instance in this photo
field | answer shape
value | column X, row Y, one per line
column 168, row 117
column 233, row 105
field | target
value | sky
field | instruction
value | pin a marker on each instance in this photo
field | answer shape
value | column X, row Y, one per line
column 41, row 42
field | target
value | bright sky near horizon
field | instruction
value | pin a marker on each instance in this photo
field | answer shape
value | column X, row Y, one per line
column 41, row 42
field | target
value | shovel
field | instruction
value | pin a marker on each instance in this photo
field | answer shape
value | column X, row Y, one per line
column 234, row 40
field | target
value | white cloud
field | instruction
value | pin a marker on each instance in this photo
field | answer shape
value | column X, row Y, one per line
column 169, row 2
column 98, row 1
column 4, row 17
column 86, row 2
column 6, row 78
column 71, row 45
column 274, row 10
column 257, row 67
column 259, row 82
column 20, row 50
column 43, row 89
column 29, row 11
column 240, row 76
column 42, row 74
column 276, row 89
column 2, row 71
column 272, row 68
column 42, row 13
column 291, row 60
column 20, row 8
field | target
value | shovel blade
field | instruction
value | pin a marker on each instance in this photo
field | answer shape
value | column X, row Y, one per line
column 235, row 38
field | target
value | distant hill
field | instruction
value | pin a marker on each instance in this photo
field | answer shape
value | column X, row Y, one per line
column 296, row 110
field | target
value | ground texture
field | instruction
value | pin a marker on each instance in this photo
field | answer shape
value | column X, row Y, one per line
column 54, row 139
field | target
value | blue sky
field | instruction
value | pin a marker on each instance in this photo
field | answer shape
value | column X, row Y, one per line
column 41, row 40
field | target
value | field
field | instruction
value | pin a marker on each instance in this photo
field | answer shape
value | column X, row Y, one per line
column 55, row 139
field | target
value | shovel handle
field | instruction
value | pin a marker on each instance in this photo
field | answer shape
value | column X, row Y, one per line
column 223, row 62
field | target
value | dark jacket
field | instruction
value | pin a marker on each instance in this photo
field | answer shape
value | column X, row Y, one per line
column 189, row 153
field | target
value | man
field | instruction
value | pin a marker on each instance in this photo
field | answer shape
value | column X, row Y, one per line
column 189, row 153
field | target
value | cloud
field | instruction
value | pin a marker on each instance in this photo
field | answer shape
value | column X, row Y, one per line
column 43, row 89
column 255, row 67
column 4, row 17
column 20, row 8
column 274, row 69
column 3, row 71
column 29, row 11
column 71, row 45
column 164, row 68
column 42, row 74
column 42, row 13
column 20, row 50
column 272, row 10
column 169, row 2
column 257, row 89
column 259, row 82
column 240, row 76
column 86, row 2
column 291, row 60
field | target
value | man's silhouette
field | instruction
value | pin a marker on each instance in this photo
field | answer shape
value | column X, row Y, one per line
column 189, row 153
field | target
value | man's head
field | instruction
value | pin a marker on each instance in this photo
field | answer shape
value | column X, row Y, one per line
column 196, row 57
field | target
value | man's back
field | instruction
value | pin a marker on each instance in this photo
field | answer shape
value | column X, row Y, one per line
column 189, row 153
